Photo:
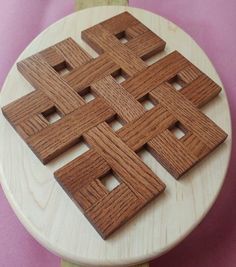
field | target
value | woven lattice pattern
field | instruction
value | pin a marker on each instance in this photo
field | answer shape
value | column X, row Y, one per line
column 157, row 105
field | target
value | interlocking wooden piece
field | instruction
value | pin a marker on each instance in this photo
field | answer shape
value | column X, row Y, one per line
column 64, row 73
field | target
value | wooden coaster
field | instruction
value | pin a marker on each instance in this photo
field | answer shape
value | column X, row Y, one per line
column 78, row 97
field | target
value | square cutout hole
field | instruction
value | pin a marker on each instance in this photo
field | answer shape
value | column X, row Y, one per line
column 122, row 37
column 110, row 181
column 119, row 75
column 51, row 115
column 63, row 68
column 176, row 83
column 115, row 123
column 148, row 102
column 87, row 94
column 178, row 130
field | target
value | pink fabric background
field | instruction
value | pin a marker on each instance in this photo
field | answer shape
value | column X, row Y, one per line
column 212, row 24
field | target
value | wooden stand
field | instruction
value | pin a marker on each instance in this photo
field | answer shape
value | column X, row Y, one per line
column 81, row 4
column 67, row 264
column 53, row 219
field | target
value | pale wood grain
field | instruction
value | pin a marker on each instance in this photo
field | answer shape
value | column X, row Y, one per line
column 68, row 264
column 81, row 4
column 48, row 213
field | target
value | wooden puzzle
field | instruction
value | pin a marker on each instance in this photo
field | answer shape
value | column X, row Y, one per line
column 87, row 94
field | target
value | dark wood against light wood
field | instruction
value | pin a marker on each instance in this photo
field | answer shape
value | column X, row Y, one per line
column 63, row 74
column 137, row 176
column 53, row 140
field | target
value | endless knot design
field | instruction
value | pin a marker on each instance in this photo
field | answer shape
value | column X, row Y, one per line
column 64, row 74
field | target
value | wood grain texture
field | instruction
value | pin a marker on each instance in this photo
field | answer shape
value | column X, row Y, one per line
column 171, row 151
column 124, row 104
column 81, row 4
column 46, row 79
column 110, row 151
column 53, row 140
column 68, row 264
column 94, row 70
column 101, row 40
column 51, row 216
column 137, row 176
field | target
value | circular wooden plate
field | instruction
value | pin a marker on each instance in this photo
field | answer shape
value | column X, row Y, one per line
column 50, row 215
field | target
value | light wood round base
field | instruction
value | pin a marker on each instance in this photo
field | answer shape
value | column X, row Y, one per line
column 49, row 214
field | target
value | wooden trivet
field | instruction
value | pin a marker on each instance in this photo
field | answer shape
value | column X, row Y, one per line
column 64, row 75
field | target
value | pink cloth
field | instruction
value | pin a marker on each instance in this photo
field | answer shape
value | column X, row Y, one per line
column 212, row 24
